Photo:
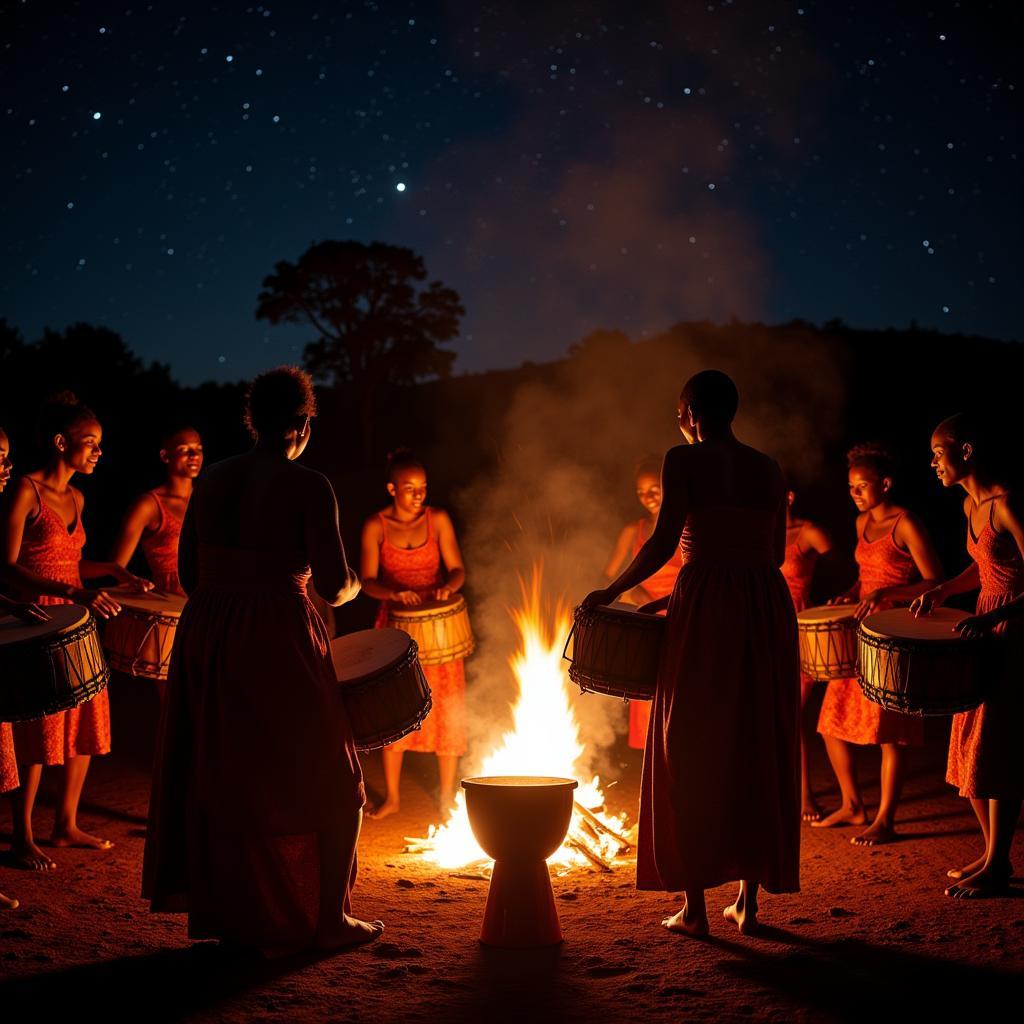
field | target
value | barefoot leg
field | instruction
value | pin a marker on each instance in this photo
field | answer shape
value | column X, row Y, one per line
column 24, row 852
column 980, row 808
column 840, row 753
column 811, row 810
column 336, row 927
column 743, row 913
column 692, row 920
column 65, row 826
column 392, row 759
column 883, row 828
column 448, row 768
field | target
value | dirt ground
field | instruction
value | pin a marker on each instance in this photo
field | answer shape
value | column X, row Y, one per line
column 871, row 933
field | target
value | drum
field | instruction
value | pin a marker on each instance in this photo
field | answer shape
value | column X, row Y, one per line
column 828, row 641
column 920, row 666
column 50, row 666
column 615, row 650
column 139, row 640
column 440, row 628
column 383, row 685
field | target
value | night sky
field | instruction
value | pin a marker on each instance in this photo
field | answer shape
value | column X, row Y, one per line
column 564, row 166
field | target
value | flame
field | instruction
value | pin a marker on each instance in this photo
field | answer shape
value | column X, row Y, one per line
column 544, row 740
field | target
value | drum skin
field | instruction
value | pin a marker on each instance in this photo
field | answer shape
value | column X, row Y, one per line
column 921, row 666
column 49, row 667
column 615, row 651
column 440, row 629
column 383, row 686
column 138, row 641
column 828, row 642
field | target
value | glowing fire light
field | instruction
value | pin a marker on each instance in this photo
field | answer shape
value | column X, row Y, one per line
column 544, row 740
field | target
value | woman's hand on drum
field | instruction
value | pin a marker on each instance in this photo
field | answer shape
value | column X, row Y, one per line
column 974, row 627
column 407, row 597
column 850, row 597
column 653, row 607
column 872, row 602
column 442, row 593
column 129, row 579
column 926, row 603
column 598, row 597
column 27, row 612
column 99, row 602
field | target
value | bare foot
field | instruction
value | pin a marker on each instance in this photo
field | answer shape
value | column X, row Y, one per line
column 743, row 916
column 28, row 856
column 76, row 837
column 875, row 835
column 349, row 931
column 695, row 926
column 990, row 881
column 378, row 811
column 811, row 811
column 8, row 903
column 973, row 868
column 841, row 817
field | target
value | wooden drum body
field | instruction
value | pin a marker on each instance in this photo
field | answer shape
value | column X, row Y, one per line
column 383, row 685
column 921, row 666
column 50, row 666
column 615, row 650
column 828, row 642
column 440, row 628
column 139, row 640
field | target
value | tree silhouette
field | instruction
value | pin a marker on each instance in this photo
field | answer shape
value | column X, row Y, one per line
column 378, row 323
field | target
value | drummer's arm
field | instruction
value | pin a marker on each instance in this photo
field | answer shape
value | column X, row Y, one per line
column 914, row 536
column 24, row 610
column 450, row 553
column 369, row 562
column 140, row 517
column 334, row 581
column 622, row 546
column 818, row 539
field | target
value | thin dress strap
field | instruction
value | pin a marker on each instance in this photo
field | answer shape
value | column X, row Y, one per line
column 160, row 509
column 39, row 499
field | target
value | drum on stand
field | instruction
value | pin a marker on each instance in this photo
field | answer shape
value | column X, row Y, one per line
column 828, row 641
column 440, row 628
column 382, row 683
column 52, row 666
column 615, row 651
column 138, row 641
column 922, row 666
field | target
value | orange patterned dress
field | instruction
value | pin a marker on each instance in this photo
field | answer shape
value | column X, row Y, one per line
column 657, row 586
column 846, row 714
column 50, row 549
column 161, row 549
column 798, row 571
column 985, row 759
column 8, row 761
column 444, row 729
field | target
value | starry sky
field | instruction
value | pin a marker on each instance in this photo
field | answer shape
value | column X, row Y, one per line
column 565, row 166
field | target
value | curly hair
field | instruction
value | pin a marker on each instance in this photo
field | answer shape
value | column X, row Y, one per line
column 399, row 459
column 60, row 413
column 648, row 465
column 278, row 399
column 875, row 456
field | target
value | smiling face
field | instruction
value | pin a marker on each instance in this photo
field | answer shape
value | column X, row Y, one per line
column 80, row 448
column 867, row 488
column 951, row 460
column 408, row 487
column 648, row 492
column 183, row 454
column 5, row 461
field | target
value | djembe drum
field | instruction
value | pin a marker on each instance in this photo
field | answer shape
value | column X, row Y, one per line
column 52, row 666
column 383, row 685
column 828, row 642
column 923, row 666
column 615, row 651
column 139, row 640
column 440, row 628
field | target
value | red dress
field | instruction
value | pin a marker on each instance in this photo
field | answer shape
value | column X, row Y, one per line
column 720, row 798
column 798, row 571
column 444, row 729
column 657, row 586
column 985, row 759
column 49, row 549
column 161, row 549
column 255, row 756
column 8, row 761
column 846, row 714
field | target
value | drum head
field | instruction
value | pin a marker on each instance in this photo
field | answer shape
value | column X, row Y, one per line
column 431, row 607
column 621, row 610
column 157, row 604
column 823, row 613
column 900, row 624
column 368, row 652
column 63, row 617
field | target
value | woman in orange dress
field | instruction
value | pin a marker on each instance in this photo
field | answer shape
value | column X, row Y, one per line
column 257, row 791
column 656, row 587
column 985, row 760
column 897, row 562
column 43, row 536
column 806, row 542
column 720, row 797
column 154, row 520
column 410, row 553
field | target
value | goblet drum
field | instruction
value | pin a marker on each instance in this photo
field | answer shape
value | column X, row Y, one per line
column 138, row 641
column 440, row 628
column 828, row 641
column 520, row 821
column 50, row 666
column 615, row 650
column 383, row 686
column 923, row 666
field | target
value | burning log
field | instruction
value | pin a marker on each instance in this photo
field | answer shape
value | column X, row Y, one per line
column 574, row 842
column 595, row 822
